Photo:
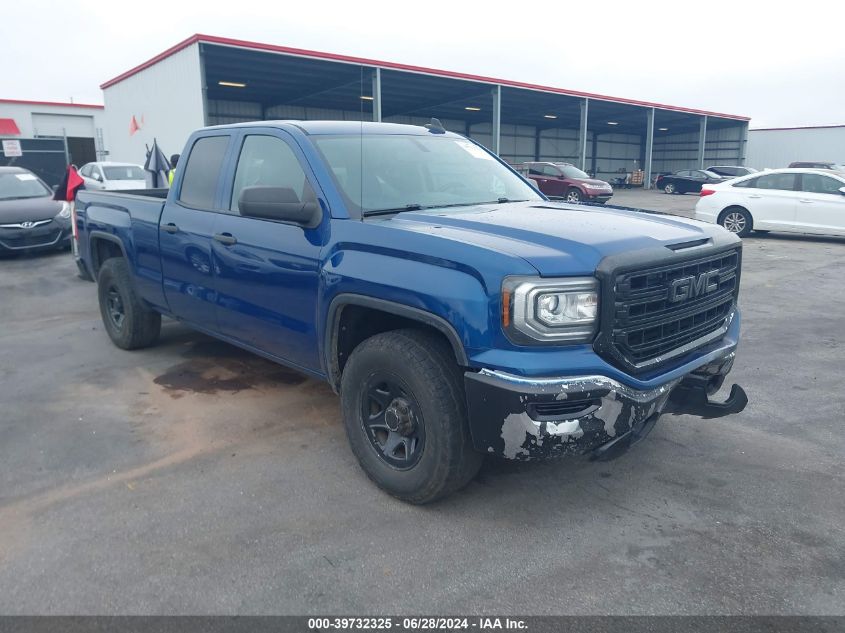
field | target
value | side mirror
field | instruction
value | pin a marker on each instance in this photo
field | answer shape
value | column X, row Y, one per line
column 280, row 204
column 97, row 177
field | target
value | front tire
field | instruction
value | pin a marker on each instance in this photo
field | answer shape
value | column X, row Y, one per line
column 129, row 323
column 737, row 220
column 404, row 411
column 573, row 195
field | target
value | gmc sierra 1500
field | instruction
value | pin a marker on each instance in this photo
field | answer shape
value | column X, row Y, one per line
column 456, row 310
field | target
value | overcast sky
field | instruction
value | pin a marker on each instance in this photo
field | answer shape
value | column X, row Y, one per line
column 777, row 62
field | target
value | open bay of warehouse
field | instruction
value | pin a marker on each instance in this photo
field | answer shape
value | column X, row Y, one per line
column 193, row 477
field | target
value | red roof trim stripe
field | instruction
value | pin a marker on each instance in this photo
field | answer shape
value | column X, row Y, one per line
column 53, row 103
column 225, row 41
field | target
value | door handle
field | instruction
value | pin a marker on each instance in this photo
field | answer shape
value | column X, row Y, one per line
column 806, row 201
column 170, row 228
column 755, row 196
column 226, row 238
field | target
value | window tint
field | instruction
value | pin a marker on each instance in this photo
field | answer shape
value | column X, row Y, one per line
column 751, row 182
column 699, row 175
column 683, row 174
column 783, row 182
column 815, row 183
column 267, row 161
column 202, row 171
column 548, row 170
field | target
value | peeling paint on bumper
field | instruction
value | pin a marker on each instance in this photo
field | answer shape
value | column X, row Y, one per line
column 534, row 418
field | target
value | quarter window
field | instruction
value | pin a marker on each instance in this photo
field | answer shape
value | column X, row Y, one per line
column 202, row 172
column 781, row 182
column 267, row 161
column 815, row 183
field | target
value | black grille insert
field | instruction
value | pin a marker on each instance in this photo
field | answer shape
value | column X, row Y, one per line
column 659, row 309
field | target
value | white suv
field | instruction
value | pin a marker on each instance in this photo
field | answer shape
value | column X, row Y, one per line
column 793, row 200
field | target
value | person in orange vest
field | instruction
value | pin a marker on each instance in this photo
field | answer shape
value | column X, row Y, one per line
column 173, row 160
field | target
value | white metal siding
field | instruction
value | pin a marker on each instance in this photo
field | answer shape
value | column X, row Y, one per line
column 165, row 99
column 46, row 120
column 778, row 148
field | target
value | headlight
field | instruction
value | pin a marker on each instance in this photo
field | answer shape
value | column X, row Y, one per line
column 65, row 212
column 550, row 310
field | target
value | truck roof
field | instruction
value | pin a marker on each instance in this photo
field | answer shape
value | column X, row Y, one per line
column 337, row 127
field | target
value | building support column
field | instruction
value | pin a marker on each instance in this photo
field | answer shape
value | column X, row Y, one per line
column 377, row 95
column 537, row 144
column 582, row 134
column 649, row 148
column 702, row 140
column 743, row 143
column 497, row 119
column 203, row 86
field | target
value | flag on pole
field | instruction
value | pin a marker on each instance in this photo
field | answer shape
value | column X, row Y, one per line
column 67, row 188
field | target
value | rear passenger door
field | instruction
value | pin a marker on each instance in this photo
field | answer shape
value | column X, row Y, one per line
column 771, row 199
column 186, row 229
column 821, row 206
column 267, row 270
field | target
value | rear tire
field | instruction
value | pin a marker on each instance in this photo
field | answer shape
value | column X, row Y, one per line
column 670, row 188
column 404, row 411
column 129, row 323
column 737, row 220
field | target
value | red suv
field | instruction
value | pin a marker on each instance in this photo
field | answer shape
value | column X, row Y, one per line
column 564, row 180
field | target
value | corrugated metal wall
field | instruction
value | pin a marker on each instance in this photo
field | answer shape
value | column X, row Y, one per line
column 166, row 101
column 680, row 151
column 778, row 148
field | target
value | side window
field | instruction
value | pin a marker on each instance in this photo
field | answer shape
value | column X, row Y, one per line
column 267, row 161
column 86, row 170
column 535, row 170
column 202, row 172
column 751, row 183
column 699, row 175
column 815, row 183
column 781, row 182
column 684, row 174
column 549, row 170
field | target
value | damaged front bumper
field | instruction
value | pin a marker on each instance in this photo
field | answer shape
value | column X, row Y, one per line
column 534, row 418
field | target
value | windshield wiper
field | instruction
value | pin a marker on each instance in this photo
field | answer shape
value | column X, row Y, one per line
column 408, row 207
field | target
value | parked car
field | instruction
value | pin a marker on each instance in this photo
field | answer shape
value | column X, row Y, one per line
column 30, row 219
column 731, row 171
column 457, row 311
column 687, row 181
column 791, row 200
column 112, row 176
column 818, row 165
column 566, row 181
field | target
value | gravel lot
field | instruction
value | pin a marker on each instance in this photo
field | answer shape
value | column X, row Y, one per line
column 196, row 478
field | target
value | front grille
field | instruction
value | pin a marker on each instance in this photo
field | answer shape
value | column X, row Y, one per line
column 23, row 238
column 647, row 327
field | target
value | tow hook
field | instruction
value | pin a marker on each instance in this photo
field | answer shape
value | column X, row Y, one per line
column 692, row 396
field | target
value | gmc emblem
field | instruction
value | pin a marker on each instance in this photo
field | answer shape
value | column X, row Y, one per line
column 692, row 287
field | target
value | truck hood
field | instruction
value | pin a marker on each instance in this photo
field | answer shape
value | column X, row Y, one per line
column 556, row 238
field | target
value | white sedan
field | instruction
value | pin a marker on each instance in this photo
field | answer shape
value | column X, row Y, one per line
column 111, row 176
column 791, row 200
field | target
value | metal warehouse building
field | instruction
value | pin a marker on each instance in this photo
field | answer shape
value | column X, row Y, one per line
column 777, row 147
column 207, row 80
column 50, row 135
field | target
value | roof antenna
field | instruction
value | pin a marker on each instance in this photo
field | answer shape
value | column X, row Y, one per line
column 435, row 127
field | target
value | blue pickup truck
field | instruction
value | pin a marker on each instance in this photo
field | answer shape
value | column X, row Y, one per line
column 456, row 310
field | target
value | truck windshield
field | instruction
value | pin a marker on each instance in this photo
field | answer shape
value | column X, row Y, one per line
column 17, row 186
column 383, row 173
